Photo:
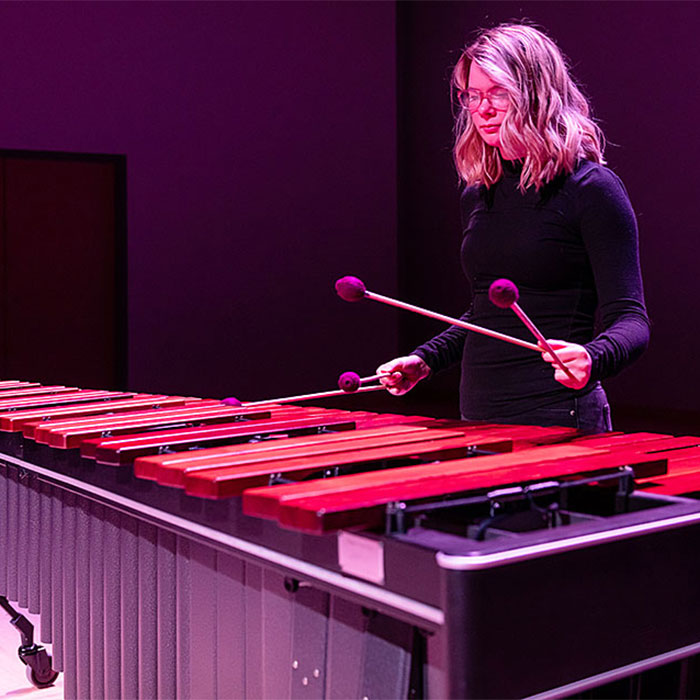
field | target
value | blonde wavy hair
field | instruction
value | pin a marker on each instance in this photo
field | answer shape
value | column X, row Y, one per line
column 548, row 119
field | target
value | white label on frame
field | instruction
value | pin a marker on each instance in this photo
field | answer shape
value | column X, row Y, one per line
column 361, row 556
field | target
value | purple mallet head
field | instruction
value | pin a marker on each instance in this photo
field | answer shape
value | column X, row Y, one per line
column 232, row 401
column 350, row 288
column 503, row 293
column 349, row 382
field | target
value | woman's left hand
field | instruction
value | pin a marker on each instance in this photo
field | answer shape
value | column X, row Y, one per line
column 575, row 357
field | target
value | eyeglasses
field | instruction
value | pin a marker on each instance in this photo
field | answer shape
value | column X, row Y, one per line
column 472, row 98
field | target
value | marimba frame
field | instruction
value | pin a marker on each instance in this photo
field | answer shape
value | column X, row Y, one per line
column 183, row 571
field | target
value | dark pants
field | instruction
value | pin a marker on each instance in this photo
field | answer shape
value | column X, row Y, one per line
column 589, row 413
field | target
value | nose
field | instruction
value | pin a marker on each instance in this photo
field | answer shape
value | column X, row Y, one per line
column 485, row 107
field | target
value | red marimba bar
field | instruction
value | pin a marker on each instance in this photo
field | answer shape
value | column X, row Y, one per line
column 145, row 528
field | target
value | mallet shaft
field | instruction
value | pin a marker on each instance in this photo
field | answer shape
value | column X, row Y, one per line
column 452, row 321
column 305, row 397
column 536, row 332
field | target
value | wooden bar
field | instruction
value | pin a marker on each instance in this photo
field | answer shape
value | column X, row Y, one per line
column 48, row 400
column 676, row 484
column 11, row 384
column 123, row 451
column 232, row 481
column 16, row 421
column 37, row 391
column 233, row 473
column 608, row 439
column 129, row 571
column 69, row 434
column 366, row 507
column 648, row 443
column 376, row 489
column 683, row 475
column 171, row 470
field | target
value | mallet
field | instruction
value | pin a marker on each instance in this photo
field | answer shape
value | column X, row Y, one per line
column 504, row 294
column 352, row 381
column 353, row 289
column 348, row 383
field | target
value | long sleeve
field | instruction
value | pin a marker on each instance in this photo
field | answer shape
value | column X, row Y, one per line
column 445, row 349
column 609, row 232
column 572, row 251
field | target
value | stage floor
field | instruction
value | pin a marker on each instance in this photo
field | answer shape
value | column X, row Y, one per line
column 13, row 681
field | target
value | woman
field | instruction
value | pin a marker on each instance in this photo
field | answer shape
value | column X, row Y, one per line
column 541, row 209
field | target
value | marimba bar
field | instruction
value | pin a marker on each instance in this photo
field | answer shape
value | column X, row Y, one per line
column 177, row 547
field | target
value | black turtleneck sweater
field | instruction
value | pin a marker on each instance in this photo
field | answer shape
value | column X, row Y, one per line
column 571, row 248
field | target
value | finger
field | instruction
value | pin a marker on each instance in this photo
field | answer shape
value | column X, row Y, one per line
column 396, row 390
column 566, row 356
column 564, row 379
column 390, row 370
column 556, row 344
column 560, row 353
column 549, row 358
column 405, row 384
column 390, row 380
column 578, row 383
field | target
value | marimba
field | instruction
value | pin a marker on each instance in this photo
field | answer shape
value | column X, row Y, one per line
column 177, row 547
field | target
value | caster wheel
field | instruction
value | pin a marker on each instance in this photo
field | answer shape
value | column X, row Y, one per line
column 43, row 680
column 38, row 663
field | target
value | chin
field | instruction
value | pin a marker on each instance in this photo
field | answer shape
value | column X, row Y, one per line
column 491, row 140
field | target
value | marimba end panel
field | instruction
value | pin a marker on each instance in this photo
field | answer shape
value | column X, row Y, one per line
column 648, row 594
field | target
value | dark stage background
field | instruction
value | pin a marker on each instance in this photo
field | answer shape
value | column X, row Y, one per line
column 272, row 147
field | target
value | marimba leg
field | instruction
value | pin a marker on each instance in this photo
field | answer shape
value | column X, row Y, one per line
column 34, row 535
column 45, row 559
column 12, row 532
column 230, row 630
column 112, row 603
column 97, row 609
column 24, row 524
column 147, row 610
column 68, row 590
column 57, row 577
column 81, row 584
column 202, row 621
column 182, row 642
column 129, row 578
column 4, row 525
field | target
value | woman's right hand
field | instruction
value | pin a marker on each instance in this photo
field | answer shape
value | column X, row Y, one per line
column 403, row 373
